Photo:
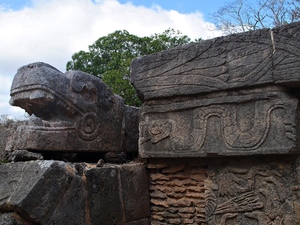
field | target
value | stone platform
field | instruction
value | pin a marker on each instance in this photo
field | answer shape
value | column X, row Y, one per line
column 233, row 95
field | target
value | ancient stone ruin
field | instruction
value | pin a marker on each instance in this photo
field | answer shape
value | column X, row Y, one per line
column 74, row 112
column 216, row 140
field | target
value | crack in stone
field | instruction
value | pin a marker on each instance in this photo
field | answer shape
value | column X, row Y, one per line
column 273, row 41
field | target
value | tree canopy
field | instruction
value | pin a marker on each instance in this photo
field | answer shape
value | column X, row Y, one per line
column 245, row 15
column 110, row 56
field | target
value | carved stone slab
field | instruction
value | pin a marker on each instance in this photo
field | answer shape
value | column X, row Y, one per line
column 73, row 112
column 245, row 122
column 254, row 191
column 234, row 61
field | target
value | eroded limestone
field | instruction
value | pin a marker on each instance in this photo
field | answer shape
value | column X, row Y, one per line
column 233, row 95
column 246, row 122
column 73, row 112
column 54, row 192
column 241, row 60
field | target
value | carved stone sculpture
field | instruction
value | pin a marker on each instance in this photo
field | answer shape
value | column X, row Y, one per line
column 233, row 95
column 73, row 112
column 252, row 191
column 258, row 121
column 234, row 61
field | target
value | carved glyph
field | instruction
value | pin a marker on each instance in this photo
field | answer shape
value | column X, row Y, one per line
column 243, row 60
column 250, row 122
column 251, row 193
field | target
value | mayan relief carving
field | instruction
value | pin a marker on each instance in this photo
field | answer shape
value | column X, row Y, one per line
column 247, row 122
column 232, row 95
column 74, row 111
column 250, row 193
column 234, row 61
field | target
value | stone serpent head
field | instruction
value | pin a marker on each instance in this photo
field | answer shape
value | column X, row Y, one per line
column 73, row 111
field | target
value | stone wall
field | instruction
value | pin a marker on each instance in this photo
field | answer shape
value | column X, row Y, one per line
column 5, row 125
column 3, row 132
column 177, row 192
column 219, row 127
column 7, row 129
column 215, row 191
column 48, row 192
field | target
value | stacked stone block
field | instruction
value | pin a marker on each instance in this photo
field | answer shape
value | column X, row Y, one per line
column 231, row 103
column 54, row 192
column 214, row 191
column 219, row 128
column 177, row 193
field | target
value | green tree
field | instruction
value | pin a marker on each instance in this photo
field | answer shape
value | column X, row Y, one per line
column 110, row 56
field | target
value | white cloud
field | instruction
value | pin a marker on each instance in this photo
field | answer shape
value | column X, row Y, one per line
column 52, row 30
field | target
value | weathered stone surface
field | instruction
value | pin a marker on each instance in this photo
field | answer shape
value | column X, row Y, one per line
column 24, row 155
column 54, row 192
column 233, row 95
column 234, row 61
column 33, row 188
column 128, row 196
column 171, row 203
column 74, row 112
column 3, row 135
column 72, row 206
column 115, row 157
column 139, row 222
column 105, row 207
column 5, row 125
column 135, row 191
column 239, row 190
column 245, row 122
column 10, row 219
column 252, row 192
column 131, row 133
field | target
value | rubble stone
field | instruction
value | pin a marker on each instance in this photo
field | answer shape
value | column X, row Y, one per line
column 54, row 192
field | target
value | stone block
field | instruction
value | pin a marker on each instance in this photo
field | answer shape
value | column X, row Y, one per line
column 140, row 222
column 10, row 219
column 252, row 191
column 24, row 155
column 33, row 188
column 135, row 191
column 232, row 95
column 54, row 192
column 241, row 122
column 158, row 194
column 71, row 207
column 73, row 112
column 159, row 202
column 235, row 61
column 104, row 200
column 239, row 190
column 117, row 194
column 3, row 136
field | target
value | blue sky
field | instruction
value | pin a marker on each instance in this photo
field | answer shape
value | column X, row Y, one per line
column 15, row 4
column 52, row 30
column 207, row 7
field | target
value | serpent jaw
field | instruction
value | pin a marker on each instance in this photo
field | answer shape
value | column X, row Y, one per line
column 74, row 111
